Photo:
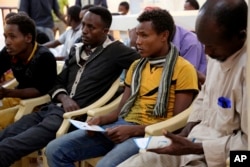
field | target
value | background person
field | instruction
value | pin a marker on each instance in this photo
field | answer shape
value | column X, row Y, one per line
column 123, row 8
column 191, row 5
column 69, row 37
column 59, row 25
column 40, row 12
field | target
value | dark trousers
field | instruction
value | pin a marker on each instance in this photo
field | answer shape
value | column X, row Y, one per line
column 32, row 132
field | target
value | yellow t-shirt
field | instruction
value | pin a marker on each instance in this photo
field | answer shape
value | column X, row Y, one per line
column 184, row 78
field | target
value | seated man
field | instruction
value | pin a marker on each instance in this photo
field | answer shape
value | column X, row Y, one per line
column 191, row 5
column 188, row 45
column 123, row 8
column 26, row 59
column 157, row 87
column 85, row 79
column 68, row 38
column 219, row 120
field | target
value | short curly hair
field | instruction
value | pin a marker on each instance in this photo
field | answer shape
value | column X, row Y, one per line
column 161, row 20
column 25, row 24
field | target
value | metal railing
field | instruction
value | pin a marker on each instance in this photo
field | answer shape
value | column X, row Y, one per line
column 7, row 9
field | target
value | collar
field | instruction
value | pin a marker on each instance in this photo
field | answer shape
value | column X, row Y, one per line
column 229, row 63
column 106, row 43
column 79, row 47
column 32, row 53
column 14, row 60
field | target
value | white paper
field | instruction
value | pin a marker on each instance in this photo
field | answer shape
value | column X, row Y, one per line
column 141, row 142
column 152, row 142
column 85, row 126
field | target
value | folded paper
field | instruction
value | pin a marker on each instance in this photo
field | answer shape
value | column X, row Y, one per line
column 86, row 126
column 152, row 142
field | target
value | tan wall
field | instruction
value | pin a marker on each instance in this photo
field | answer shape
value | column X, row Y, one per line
column 9, row 3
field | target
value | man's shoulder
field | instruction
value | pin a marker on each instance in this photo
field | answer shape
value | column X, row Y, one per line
column 183, row 63
column 185, row 34
column 119, row 46
column 43, row 51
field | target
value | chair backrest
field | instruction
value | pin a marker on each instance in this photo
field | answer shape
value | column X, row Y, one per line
column 7, row 116
column 59, row 66
column 11, row 84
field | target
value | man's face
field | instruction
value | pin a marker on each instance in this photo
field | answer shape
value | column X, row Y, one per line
column 216, row 46
column 122, row 10
column 188, row 6
column 149, row 43
column 93, row 30
column 16, row 43
column 68, row 20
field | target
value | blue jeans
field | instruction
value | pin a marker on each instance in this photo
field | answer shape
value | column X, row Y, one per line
column 78, row 145
column 48, row 31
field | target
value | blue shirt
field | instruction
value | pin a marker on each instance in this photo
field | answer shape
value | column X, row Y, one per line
column 190, row 48
column 40, row 11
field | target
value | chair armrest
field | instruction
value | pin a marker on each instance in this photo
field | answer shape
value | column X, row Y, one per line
column 66, row 124
column 59, row 66
column 171, row 124
column 63, row 128
column 11, row 84
column 100, row 102
column 26, row 106
column 7, row 116
column 122, row 83
column 106, row 108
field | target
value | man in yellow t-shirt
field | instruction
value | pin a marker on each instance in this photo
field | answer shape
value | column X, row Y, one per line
column 142, row 109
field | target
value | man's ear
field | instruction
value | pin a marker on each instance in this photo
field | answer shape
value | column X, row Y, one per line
column 106, row 30
column 165, row 36
column 28, row 38
column 242, row 34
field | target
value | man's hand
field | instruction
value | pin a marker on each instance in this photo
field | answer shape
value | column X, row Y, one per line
column 179, row 146
column 95, row 121
column 69, row 104
column 120, row 133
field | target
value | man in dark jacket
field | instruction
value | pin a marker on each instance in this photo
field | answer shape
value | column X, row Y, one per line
column 91, row 69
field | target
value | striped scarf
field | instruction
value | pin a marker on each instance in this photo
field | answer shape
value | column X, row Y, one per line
column 164, row 87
